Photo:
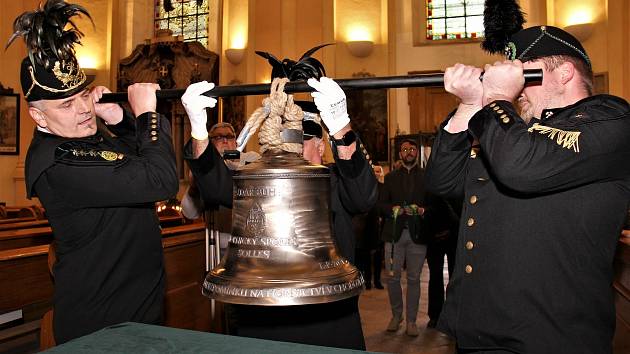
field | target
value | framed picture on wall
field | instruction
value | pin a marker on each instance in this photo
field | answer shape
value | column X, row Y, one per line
column 9, row 124
column 368, row 111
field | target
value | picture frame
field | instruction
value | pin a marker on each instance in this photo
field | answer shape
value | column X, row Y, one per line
column 9, row 124
column 368, row 110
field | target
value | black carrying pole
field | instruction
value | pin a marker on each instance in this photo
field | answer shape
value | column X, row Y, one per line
column 385, row 82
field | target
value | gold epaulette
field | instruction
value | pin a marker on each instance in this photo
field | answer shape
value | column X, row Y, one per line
column 566, row 139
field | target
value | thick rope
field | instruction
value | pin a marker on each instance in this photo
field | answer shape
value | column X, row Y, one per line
column 277, row 113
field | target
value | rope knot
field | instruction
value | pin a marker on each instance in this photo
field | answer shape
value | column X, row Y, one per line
column 278, row 112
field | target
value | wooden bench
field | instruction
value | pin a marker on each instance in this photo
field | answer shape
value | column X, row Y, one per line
column 25, row 276
column 37, row 232
column 14, row 220
column 34, row 211
column 18, row 238
column 23, row 224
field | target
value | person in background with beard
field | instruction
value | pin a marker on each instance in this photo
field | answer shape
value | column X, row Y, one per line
column 544, row 172
column 401, row 204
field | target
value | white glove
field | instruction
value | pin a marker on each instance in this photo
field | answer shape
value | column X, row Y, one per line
column 195, row 104
column 331, row 102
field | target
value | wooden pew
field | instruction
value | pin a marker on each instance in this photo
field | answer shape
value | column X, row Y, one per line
column 184, row 260
column 34, row 211
column 23, row 224
column 24, row 274
column 24, row 277
column 14, row 220
column 37, row 232
column 18, row 238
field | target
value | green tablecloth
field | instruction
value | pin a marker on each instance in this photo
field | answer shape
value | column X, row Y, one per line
column 136, row 338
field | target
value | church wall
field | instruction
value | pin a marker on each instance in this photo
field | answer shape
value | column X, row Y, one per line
column 618, row 47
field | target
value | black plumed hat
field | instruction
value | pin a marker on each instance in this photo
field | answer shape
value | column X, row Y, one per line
column 305, row 68
column 543, row 41
column 51, row 70
column 504, row 33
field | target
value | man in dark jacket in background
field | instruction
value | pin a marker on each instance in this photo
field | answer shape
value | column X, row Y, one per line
column 401, row 204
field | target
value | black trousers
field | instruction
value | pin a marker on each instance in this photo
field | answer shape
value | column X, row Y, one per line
column 370, row 263
column 335, row 324
column 435, row 260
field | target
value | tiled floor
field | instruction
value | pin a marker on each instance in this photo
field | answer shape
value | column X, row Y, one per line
column 375, row 314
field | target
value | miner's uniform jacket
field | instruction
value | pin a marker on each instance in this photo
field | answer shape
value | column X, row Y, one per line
column 353, row 190
column 544, row 205
column 99, row 193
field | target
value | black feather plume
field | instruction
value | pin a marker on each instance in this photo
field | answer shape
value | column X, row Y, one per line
column 501, row 19
column 45, row 34
column 304, row 69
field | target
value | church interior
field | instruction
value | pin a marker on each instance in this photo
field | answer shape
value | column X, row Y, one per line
column 134, row 41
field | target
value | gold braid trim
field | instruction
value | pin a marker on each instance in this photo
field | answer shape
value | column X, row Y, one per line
column 77, row 80
column 566, row 139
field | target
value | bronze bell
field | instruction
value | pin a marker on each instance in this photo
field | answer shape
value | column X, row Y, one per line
column 282, row 251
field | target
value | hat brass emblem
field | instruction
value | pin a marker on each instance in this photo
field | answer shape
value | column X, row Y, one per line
column 68, row 73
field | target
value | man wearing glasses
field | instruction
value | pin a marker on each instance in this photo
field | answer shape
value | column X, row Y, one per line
column 223, row 138
column 402, row 205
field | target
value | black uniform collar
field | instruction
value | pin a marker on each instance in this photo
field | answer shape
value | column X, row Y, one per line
column 410, row 170
column 612, row 102
column 41, row 155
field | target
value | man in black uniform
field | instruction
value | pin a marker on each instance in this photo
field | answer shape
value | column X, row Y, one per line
column 353, row 191
column 544, row 201
column 99, row 191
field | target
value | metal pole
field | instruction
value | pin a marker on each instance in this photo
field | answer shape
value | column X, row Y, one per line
column 385, row 82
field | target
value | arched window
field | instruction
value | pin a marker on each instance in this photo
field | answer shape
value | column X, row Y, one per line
column 447, row 21
column 187, row 18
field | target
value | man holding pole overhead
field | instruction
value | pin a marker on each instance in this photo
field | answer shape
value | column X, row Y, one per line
column 99, row 191
column 544, row 172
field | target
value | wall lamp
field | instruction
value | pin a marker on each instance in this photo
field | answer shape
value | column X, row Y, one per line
column 360, row 49
column 235, row 55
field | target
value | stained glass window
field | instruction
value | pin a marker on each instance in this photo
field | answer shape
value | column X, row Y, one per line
column 188, row 18
column 454, row 19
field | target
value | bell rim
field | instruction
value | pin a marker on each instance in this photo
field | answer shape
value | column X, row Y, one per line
column 352, row 277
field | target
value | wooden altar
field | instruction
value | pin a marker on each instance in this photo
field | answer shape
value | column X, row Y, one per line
column 171, row 63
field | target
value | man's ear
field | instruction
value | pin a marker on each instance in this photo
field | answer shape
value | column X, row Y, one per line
column 566, row 71
column 38, row 116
